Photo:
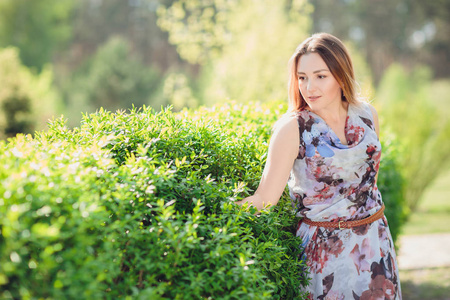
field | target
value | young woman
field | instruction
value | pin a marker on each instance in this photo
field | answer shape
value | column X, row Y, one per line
column 327, row 150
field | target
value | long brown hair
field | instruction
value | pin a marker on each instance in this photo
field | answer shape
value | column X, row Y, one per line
column 336, row 57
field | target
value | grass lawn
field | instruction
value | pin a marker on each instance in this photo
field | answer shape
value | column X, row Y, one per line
column 432, row 216
column 433, row 213
column 429, row 284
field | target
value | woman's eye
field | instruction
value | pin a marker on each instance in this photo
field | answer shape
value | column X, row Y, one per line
column 322, row 76
column 301, row 78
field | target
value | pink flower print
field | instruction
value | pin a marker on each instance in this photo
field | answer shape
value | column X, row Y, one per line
column 334, row 295
column 317, row 260
column 377, row 157
column 354, row 134
column 323, row 191
column 379, row 288
column 352, row 210
column 326, row 245
column 371, row 150
column 361, row 230
column 335, row 245
column 382, row 233
column 385, row 243
column 360, row 256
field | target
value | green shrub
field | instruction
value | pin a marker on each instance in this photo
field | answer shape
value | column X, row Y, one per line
column 138, row 205
column 51, row 219
column 391, row 183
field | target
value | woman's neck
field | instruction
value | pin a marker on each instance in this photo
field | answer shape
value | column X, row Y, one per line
column 334, row 114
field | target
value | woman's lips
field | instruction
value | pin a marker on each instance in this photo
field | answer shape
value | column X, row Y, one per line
column 313, row 98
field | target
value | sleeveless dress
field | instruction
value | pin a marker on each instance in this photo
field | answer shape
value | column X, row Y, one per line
column 331, row 181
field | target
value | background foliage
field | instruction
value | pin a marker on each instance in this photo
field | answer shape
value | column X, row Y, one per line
column 112, row 78
column 38, row 28
column 235, row 42
column 27, row 100
column 422, row 122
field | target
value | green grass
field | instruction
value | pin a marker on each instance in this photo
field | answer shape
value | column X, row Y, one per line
column 430, row 284
column 433, row 212
column 431, row 217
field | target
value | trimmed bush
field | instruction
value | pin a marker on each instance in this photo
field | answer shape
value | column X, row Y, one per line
column 139, row 205
column 392, row 184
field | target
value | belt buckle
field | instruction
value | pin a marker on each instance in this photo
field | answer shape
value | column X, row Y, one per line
column 340, row 227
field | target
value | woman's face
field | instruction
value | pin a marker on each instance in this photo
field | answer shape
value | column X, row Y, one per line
column 317, row 85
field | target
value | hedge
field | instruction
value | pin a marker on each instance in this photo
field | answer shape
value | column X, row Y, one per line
column 139, row 205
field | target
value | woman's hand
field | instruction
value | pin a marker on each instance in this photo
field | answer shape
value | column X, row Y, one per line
column 283, row 150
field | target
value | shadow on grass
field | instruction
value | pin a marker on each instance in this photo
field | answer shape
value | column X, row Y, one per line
column 426, row 284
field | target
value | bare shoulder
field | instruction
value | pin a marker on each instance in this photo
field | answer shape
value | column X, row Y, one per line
column 375, row 118
column 374, row 111
column 286, row 125
column 283, row 146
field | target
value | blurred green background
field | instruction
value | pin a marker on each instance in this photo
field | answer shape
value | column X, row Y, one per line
column 72, row 57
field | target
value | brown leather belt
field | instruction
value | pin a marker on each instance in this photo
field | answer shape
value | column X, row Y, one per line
column 347, row 224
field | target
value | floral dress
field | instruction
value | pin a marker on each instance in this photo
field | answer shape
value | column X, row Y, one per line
column 331, row 181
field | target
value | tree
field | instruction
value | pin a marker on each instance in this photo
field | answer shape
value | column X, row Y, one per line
column 144, row 45
column 388, row 31
column 411, row 108
column 243, row 46
column 26, row 99
column 37, row 28
column 113, row 79
column 434, row 37
column 134, row 21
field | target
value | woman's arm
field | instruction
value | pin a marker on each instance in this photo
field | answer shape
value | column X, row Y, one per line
column 283, row 150
column 375, row 120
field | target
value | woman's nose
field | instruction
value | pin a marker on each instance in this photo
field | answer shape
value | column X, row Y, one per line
column 310, row 86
